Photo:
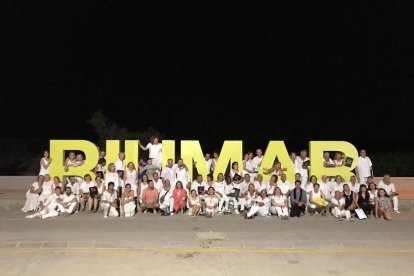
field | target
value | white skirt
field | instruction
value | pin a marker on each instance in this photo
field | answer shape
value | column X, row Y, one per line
column 129, row 209
column 31, row 202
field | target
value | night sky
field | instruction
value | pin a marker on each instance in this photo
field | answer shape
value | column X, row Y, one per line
column 255, row 71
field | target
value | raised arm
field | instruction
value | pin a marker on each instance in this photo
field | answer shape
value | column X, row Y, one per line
column 142, row 147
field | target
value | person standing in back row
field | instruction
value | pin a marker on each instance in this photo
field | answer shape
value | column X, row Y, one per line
column 364, row 167
column 155, row 151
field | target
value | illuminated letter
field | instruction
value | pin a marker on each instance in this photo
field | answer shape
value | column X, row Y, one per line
column 317, row 148
column 192, row 150
column 277, row 149
column 57, row 152
column 230, row 152
column 168, row 151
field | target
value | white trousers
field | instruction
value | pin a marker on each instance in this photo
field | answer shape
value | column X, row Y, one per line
column 395, row 202
column 167, row 204
column 45, row 213
column 211, row 211
column 108, row 208
column 245, row 203
column 71, row 209
column 341, row 213
column 262, row 210
column 224, row 200
column 280, row 211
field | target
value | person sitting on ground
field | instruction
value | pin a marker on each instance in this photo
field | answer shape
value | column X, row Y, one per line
column 32, row 195
column 108, row 201
column 338, row 207
column 194, row 203
column 165, row 199
column 389, row 188
column 382, row 205
column 220, row 186
column 180, row 198
column 231, row 193
column 362, row 200
column 260, row 205
column 128, row 202
column 247, row 198
column 48, row 209
column 298, row 200
column 318, row 201
column 84, row 191
column 47, row 190
column 150, row 198
column 279, row 204
column 68, row 203
column 373, row 193
column 349, row 196
column 211, row 202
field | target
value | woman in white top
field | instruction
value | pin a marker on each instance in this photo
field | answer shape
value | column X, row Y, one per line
column 215, row 159
column 279, row 204
column 45, row 163
column 57, row 183
column 194, row 203
column 131, row 177
column 373, row 193
column 127, row 202
column 249, row 166
column 271, row 186
column 339, row 160
column 112, row 176
column 85, row 193
column 234, row 169
column 100, row 185
column 211, row 201
column 249, row 196
column 70, row 161
column 142, row 186
column 47, row 190
column 155, row 151
column 32, row 195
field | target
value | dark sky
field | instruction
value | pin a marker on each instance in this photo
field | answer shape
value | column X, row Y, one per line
column 256, row 71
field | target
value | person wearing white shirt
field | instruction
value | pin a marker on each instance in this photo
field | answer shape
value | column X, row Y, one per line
column 271, row 186
column 353, row 185
column 219, row 187
column 47, row 189
column 131, row 177
column 279, row 204
column 295, row 162
column 389, row 187
column 45, row 163
column 157, row 181
column 127, row 202
column 108, row 201
column 317, row 201
column 364, row 167
column 167, row 172
column 74, row 186
column 32, row 195
column 181, row 173
column 244, row 186
column 166, row 199
column 84, row 193
column 338, row 160
column 338, row 185
column 231, row 194
column 338, row 207
column 211, row 203
column 247, row 198
column 261, row 205
column 209, row 161
column 111, row 176
column 68, row 204
column 48, row 209
column 199, row 186
column 155, row 151
column 303, row 158
column 284, row 185
column 120, row 163
column 235, row 170
column 260, row 185
column 257, row 160
column 327, row 161
column 249, row 167
column 325, row 187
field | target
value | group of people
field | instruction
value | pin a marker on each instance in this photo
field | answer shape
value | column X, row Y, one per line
column 120, row 189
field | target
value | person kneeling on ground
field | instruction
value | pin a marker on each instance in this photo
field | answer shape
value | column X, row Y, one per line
column 338, row 207
column 297, row 200
column 108, row 201
column 68, row 203
column 150, row 198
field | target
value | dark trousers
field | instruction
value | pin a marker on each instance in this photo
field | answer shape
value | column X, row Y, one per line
column 367, row 208
column 296, row 210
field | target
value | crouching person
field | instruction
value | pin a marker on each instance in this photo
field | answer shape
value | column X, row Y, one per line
column 260, row 205
column 48, row 209
column 68, row 203
column 298, row 199
column 128, row 202
column 108, row 201
column 165, row 199
column 150, row 198
column 338, row 207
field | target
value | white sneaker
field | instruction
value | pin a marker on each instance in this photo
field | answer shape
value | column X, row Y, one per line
column 146, row 211
column 105, row 216
column 237, row 212
column 172, row 214
column 396, row 211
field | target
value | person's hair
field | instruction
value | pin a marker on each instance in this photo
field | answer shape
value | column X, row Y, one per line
column 193, row 191
column 57, row 178
column 234, row 163
column 128, row 185
column 179, row 183
column 87, row 175
column 131, row 163
column 153, row 138
column 101, row 161
column 155, row 173
column 375, row 185
column 366, row 190
column 310, row 179
column 150, row 180
column 385, row 192
column 218, row 175
column 111, row 184
column 316, row 184
column 58, row 188
column 275, row 177
column 344, row 186
column 210, row 175
column 142, row 178
column 298, row 181
column 226, row 177
column 277, row 188
column 67, row 187
column 251, row 185
column 211, row 188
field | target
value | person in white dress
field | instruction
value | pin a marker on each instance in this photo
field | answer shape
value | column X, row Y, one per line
column 389, row 187
column 68, row 203
column 49, row 207
column 249, row 167
column 338, row 160
column 220, row 187
column 364, row 167
column 131, row 177
column 47, row 189
column 260, row 205
column 211, row 202
column 57, row 183
column 108, row 201
column 45, row 163
column 167, row 172
column 303, row 165
column 194, row 203
column 32, row 195
column 143, row 184
column 181, row 174
column 127, row 202
column 279, row 204
column 155, row 151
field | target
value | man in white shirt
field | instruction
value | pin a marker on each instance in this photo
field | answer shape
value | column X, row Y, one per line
column 199, row 186
column 338, row 207
column 108, row 201
column 74, row 186
column 364, row 167
column 284, row 185
column 244, row 186
column 120, row 163
column 260, row 205
column 353, row 185
column 157, row 181
column 327, row 161
column 68, row 203
column 220, row 188
column 231, row 193
column 181, row 173
column 295, row 163
column 47, row 190
column 325, row 187
column 258, row 158
column 208, row 160
column 166, row 199
column 167, row 172
column 389, row 187
column 302, row 162
column 49, row 207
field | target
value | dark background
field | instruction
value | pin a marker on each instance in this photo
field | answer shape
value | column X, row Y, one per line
column 210, row 71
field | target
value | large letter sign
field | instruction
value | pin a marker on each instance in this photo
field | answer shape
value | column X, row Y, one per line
column 277, row 149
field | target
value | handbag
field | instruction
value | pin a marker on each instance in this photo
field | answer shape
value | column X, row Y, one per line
column 163, row 196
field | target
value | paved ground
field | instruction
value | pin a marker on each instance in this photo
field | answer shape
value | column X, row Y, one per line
column 224, row 245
